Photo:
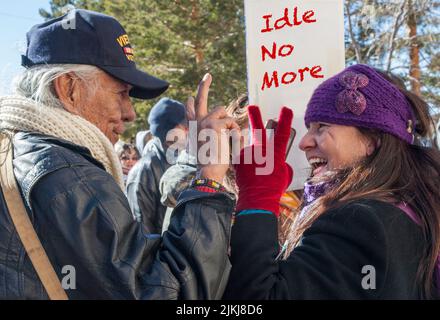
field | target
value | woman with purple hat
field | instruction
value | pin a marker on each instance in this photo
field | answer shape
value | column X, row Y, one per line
column 370, row 221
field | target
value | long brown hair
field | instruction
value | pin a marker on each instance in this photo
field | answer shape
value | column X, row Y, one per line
column 395, row 172
column 238, row 111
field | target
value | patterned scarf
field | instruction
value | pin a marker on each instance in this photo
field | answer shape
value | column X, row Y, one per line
column 314, row 189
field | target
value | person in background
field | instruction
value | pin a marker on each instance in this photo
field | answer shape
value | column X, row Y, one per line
column 174, row 181
column 142, row 138
column 143, row 180
column 369, row 227
column 237, row 110
column 129, row 155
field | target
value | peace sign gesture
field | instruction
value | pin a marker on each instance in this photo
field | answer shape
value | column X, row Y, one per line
column 262, row 184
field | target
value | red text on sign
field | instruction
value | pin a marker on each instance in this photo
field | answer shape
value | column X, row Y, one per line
column 284, row 51
column 286, row 20
column 289, row 77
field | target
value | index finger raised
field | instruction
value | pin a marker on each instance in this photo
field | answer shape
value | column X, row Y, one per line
column 201, row 103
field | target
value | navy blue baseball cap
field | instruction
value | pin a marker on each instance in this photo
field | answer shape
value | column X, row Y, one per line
column 88, row 37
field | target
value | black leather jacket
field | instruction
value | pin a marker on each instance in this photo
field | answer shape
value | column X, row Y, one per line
column 143, row 187
column 83, row 220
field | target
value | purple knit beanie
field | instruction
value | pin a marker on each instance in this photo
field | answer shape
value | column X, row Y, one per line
column 359, row 96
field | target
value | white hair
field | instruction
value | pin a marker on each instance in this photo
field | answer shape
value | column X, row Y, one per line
column 36, row 82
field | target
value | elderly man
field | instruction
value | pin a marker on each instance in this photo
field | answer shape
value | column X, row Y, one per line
column 71, row 106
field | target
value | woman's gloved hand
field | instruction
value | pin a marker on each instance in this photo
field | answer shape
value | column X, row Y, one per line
column 261, row 184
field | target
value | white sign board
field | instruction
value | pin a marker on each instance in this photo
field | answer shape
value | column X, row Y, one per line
column 292, row 46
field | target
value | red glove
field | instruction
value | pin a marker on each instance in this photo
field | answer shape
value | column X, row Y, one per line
column 258, row 189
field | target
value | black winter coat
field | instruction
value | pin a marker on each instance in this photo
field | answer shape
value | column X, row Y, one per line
column 83, row 220
column 365, row 250
column 143, row 187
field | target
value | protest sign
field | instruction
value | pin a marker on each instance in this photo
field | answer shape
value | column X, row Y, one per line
column 291, row 47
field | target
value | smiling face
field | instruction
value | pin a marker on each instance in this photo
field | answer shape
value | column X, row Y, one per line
column 329, row 147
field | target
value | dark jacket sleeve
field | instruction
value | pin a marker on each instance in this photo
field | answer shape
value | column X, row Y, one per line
column 195, row 246
column 143, row 193
column 333, row 260
column 84, row 221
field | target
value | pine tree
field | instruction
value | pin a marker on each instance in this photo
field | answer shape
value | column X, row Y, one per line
column 179, row 41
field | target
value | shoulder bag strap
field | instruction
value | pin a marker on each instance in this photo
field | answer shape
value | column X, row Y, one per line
column 23, row 225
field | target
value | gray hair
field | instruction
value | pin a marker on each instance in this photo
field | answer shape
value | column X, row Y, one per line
column 36, row 82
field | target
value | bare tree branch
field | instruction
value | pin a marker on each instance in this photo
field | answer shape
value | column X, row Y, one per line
column 394, row 33
column 357, row 48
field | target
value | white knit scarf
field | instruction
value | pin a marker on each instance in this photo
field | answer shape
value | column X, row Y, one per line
column 23, row 114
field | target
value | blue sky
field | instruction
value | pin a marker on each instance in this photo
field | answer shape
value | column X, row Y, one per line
column 16, row 18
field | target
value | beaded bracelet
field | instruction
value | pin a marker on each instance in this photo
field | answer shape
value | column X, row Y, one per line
column 207, row 185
